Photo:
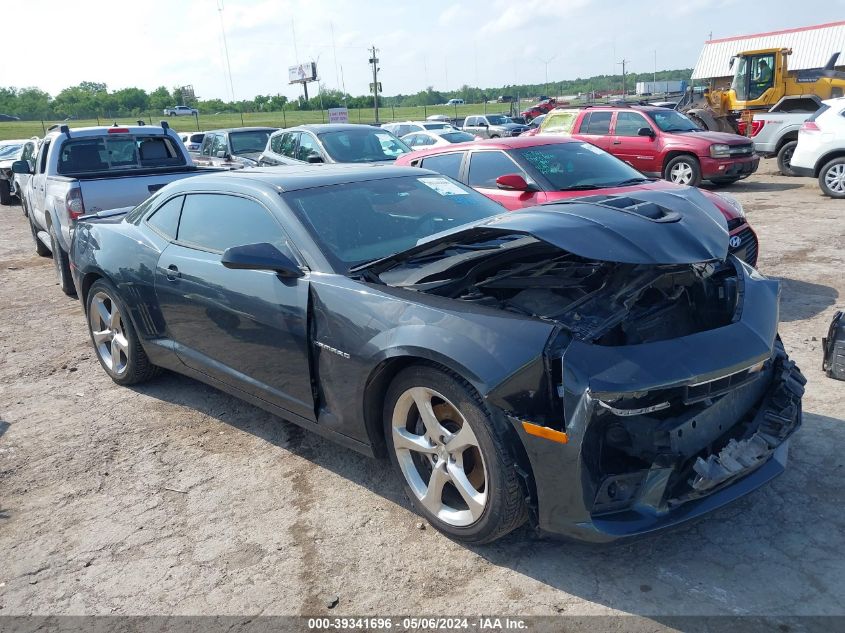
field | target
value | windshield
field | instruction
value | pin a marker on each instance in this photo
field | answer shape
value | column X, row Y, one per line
column 363, row 145
column 360, row 222
column 497, row 119
column 10, row 151
column 251, row 142
column 458, row 137
column 574, row 166
column 672, row 121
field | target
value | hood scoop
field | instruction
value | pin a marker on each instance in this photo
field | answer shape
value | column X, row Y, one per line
column 644, row 208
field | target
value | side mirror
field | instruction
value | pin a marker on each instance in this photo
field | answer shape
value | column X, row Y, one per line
column 645, row 131
column 21, row 167
column 260, row 256
column 512, row 182
column 314, row 158
column 483, row 124
column 222, row 154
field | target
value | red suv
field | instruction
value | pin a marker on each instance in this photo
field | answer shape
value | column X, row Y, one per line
column 524, row 171
column 659, row 142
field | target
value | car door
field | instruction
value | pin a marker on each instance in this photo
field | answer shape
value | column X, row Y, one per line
column 595, row 128
column 245, row 328
column 471, row 125
column 638, row 151
column 28, row 154
column 486, row 166
column 38, row 186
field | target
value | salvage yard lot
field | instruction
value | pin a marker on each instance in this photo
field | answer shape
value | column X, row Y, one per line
column 171, row 497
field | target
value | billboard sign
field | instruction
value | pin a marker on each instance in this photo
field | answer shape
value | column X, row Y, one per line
column 302, row 73
column 338, row 115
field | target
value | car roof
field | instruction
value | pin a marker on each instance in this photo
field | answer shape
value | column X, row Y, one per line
column 103, row 130
column 329, row 127
column 296, row 177
column 20, row 141
column 240, row 129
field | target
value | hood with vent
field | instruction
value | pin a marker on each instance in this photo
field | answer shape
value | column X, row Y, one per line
column 647, row 227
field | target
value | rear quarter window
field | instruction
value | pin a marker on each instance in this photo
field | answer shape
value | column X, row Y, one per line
column 446, row 164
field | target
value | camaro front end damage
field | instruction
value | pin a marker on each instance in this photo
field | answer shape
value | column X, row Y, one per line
column 663, row 391
column 663, row 430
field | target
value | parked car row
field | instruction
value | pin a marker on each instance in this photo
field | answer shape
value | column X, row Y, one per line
column 529, row 328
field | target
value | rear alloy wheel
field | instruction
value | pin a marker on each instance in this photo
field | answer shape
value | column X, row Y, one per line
column 683, row 170
column 455, row 466
column 61, row 261
column 115, row 341
column 832, row 178
column 785, row 158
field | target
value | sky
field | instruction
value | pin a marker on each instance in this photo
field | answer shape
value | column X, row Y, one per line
column 148, row 43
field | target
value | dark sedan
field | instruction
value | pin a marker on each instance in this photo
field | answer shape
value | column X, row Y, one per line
column 601, row 366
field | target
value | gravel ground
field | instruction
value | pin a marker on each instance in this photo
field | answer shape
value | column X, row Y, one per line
column 173, row 498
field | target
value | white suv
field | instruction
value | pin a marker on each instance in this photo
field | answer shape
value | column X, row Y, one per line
column 820, row 152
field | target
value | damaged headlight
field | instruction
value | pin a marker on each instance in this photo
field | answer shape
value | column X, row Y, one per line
column 734, row 204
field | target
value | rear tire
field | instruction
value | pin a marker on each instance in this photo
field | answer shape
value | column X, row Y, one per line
column 470, row 491
column 61, row 261
column 114, row 338
column 5, row 191
column 832, row 178
column 785, row 158
column 683, row 170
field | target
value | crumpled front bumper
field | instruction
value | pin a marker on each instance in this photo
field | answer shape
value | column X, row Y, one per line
column 736, row 401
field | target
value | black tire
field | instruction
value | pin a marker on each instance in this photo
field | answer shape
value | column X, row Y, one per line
column 5, row 191
column 681, row 166
column 61, row 261
column 832, row 178
column 138, row 367
column 494, row 136
column 723, row 182
column 504, row 507
column 785, row 158
column 40, row 247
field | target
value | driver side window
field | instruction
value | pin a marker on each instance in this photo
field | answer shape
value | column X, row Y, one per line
column 485, row 167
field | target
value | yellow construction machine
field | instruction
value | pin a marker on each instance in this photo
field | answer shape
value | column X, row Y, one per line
column 763, row 83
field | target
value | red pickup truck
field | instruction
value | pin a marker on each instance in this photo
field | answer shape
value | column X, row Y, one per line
column 659, row 142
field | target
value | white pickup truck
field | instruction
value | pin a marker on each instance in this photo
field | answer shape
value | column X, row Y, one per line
column 86, row 170
column 776, row 134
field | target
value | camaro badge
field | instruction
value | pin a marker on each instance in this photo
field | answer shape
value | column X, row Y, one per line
column 331, row 349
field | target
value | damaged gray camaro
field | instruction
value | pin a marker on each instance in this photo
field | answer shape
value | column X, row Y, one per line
column 601, row 367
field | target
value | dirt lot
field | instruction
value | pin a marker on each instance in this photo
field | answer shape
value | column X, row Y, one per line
column 173, row 498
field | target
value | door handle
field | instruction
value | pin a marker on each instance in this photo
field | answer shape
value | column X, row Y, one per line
column 172, row 273
column 617, row 142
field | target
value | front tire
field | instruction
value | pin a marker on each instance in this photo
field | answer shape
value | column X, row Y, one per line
column 61, row 261
column 453, row 460
column 5, row 191
column 785, row 158
column 114, row 338
column 683, row 170
column 832, row 178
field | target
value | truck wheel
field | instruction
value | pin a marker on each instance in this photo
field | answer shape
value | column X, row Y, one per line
column 5, row 192
column 40, row 248
column 683, row 170
column 117, row 345
column 785, row 158
column 61, row 260
column 832, row 178
column 452, row 459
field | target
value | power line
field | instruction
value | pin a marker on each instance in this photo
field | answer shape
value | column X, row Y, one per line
column 225, row 48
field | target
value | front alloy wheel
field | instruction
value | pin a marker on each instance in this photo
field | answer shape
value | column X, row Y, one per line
column 455, row 458
column 439, row 455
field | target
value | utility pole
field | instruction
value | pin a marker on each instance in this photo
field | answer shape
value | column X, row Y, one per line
column 623, row 62
column 546, row 62
column 374, row 62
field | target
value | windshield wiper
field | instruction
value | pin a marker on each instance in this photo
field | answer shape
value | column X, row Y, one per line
column 580, row 187
column 630, row 181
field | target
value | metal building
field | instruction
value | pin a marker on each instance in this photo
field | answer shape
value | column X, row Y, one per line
column 811, row 47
